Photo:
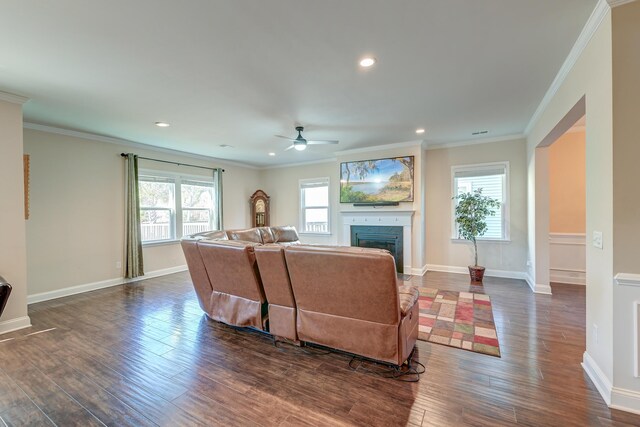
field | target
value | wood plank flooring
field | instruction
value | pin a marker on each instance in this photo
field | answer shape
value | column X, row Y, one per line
column 145, row 354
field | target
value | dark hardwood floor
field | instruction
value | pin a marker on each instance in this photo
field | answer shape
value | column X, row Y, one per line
column 144, row 354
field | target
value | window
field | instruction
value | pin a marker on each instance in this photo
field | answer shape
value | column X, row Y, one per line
column 314, row 206
column 493, row 178
column 172, row 206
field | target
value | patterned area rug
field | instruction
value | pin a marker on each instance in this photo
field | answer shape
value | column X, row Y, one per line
column 458, row 319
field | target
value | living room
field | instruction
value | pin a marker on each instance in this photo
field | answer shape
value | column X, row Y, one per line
column 71, row 247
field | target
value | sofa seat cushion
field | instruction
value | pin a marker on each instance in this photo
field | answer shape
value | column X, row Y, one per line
column 408, row 296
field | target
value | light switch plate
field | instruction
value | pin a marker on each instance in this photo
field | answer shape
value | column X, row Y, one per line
column 597, row 239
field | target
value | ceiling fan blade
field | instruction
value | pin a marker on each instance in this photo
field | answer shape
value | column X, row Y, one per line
column 289, row 147
column 322, row 142
column 285, row 137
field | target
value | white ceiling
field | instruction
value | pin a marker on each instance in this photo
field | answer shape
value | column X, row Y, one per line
column 238, row 72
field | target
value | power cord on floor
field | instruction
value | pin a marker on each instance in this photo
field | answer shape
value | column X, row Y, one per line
column 409, row 372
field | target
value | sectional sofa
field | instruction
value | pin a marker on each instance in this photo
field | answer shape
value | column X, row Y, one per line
column 346, row 298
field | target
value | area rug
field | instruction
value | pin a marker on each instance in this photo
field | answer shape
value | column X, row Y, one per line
column 458, row 319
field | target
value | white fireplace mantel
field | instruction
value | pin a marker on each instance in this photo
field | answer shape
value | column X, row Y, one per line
column 382, row 218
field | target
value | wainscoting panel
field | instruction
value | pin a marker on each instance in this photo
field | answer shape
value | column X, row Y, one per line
column 567, row 258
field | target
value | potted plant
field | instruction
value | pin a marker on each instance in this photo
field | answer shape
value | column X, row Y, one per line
column 472, row 210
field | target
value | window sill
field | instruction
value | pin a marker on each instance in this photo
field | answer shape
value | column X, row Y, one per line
column 311, row 233
column 160, row 243
column 456, row 240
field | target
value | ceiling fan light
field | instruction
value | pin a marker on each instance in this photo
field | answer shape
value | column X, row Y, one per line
column 299, row 147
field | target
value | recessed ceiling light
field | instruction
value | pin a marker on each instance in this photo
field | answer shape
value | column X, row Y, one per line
column 419, row 131
column 367, row 62
column 162, row 124
column 272, row 154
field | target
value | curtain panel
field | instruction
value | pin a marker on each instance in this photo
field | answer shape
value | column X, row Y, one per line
column 134, row 265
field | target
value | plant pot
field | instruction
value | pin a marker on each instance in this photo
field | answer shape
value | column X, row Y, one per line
column 5, row 291
column 476, row 272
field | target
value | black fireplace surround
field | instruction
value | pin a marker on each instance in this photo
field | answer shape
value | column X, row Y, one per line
column 381, row 237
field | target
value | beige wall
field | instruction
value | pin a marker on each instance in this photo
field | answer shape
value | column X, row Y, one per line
column 441, row 250
column 13, row 256
column 76, row 231
column 590, row 77
column 282, row 185
column 626, row 201
column 567, row 180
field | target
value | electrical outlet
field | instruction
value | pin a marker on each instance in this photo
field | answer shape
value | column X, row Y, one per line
column 118, row 265
column 597, row 239
column 595, row 333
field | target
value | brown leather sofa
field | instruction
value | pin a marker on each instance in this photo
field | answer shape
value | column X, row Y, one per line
column 277, row 287
column 224, row 272
column 341, row 297
column 349, row 298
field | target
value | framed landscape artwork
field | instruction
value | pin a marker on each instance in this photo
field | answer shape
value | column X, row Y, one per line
column 377, row 181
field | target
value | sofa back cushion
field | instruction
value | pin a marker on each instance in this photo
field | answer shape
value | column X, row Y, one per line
column 267, row 235
column 352, row 282
column 285, row 234
column 232, row 269
column 249, row 235
column 210, row 235
column 274, row 275
column 198, row 273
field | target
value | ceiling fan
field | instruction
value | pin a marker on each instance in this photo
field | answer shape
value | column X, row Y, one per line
column 300, row 143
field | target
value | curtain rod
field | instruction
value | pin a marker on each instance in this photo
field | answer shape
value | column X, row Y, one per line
column 174, row 163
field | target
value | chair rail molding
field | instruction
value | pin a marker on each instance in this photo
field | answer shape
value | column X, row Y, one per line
column 567, row 260
column 627, row 279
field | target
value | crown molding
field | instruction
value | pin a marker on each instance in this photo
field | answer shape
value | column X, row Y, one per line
column 615, row 3
column 13, row 98
column 589, row 29
column 291, row 165
column 415, row 143
column 437, row 146
column 132, row 144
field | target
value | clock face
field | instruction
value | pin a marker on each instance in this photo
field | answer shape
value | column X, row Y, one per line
column 260, row 205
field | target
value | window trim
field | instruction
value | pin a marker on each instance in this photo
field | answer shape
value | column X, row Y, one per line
column 176, row 224
column 506, row 199
column 301, row 208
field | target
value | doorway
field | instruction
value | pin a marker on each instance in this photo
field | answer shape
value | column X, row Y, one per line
column 567, row 206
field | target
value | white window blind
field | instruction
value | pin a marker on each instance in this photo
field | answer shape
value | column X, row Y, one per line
column 492, row 179
column 314, row 205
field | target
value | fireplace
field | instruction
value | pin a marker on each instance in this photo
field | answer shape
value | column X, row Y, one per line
column 381, row 237
column 382, row 218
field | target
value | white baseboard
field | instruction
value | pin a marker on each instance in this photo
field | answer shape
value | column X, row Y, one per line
column 537, row 288
column 419, row 271
column 14, row 324
column 73, row 290
column 598, row 377
column 625, row 400
column 520, row 275
column 157, row 273
column 568, row 276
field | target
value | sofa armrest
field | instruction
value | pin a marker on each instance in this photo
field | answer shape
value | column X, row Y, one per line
column 408, row 297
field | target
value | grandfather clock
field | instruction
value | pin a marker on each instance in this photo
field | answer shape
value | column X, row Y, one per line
column 260, row 209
